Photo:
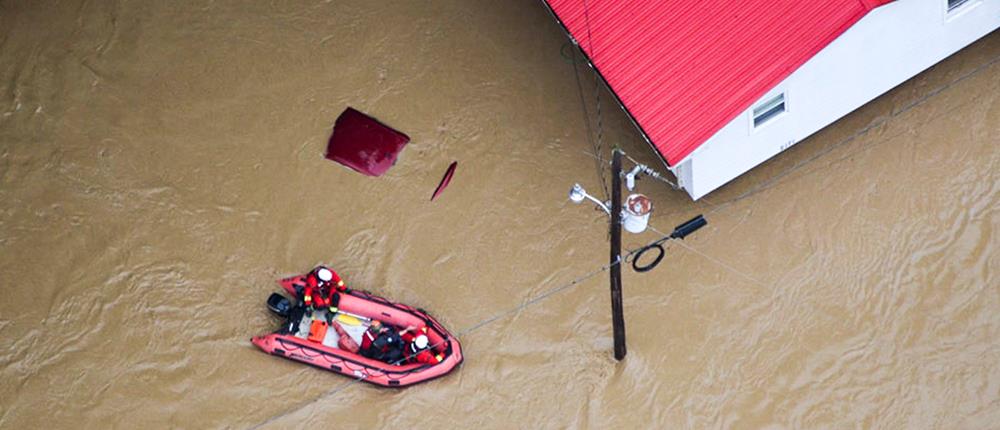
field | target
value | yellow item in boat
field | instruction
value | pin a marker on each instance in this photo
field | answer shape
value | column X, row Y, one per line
column 347, row 319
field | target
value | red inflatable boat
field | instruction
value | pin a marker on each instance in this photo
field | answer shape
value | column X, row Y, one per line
column 357, row 309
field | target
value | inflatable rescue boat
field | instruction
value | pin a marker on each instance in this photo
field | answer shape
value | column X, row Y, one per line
column 315, row 344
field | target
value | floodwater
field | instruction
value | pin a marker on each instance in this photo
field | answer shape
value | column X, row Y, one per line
column 161, row 164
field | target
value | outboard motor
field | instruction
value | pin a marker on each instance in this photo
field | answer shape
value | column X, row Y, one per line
column 279, row 304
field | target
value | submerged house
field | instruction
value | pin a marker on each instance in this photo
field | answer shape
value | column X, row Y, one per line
column 719, row 86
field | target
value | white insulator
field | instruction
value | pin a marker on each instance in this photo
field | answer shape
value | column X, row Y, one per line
column 635, row 214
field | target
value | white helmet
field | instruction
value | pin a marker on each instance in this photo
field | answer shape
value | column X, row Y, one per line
column 421, row 341
column 324, row 274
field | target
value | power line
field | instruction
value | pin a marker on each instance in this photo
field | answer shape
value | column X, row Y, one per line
column 596, row 145
column 715, row 260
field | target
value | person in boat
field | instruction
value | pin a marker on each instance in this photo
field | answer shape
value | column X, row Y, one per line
column 382, row 343
column 417, row 349
column 323, row 288
column 374, row 331
column 368, row 349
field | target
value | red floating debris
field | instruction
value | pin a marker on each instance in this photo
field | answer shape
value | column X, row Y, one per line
column 364, row 144
column 445, row 180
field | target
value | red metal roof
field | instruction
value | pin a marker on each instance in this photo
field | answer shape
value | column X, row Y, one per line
column 684, row 69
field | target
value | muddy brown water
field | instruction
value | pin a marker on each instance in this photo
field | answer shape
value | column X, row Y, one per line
column 161, row 165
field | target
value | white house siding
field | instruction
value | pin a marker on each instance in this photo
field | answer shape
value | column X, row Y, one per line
column 888, row 46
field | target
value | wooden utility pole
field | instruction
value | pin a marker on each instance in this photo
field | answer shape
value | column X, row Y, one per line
column 617, row 318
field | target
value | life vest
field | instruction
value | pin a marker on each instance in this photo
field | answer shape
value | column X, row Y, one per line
column 312, row 281
column 315, row 296
column 380, row 346
column 422, row 355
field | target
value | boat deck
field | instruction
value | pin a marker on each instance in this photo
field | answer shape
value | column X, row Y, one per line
column 331, row 338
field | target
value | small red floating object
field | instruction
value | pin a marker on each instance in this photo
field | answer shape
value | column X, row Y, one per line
column 445, row 180
column 364, row 144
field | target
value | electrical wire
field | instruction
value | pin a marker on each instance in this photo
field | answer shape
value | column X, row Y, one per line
column 597, row 94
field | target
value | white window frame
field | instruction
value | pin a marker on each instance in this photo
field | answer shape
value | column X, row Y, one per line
column 782, row 95
column 957, row 11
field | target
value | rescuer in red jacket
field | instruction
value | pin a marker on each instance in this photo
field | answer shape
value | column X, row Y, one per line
column 417, row 350
column 323, row 288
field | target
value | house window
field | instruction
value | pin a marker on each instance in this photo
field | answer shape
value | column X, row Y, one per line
column 955, row 4
column 768, row 110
